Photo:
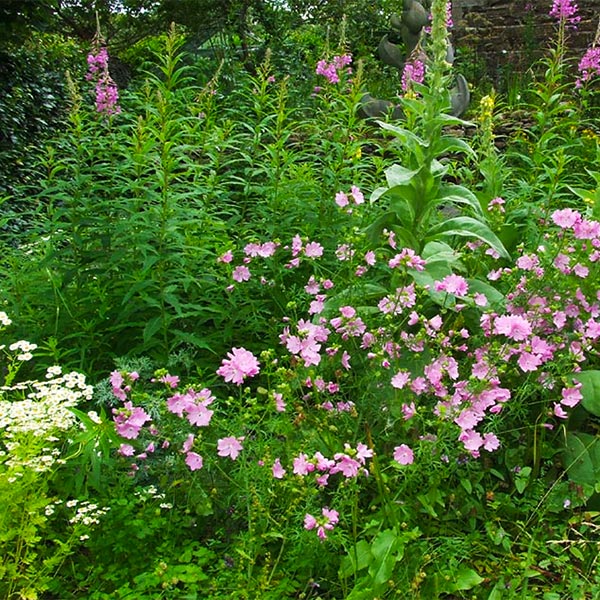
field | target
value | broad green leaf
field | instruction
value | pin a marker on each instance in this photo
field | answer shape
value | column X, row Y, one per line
column 405, row 136
column 590, row 390
column 467, row 227
column 358, row 558
column 458, row 194
column 465, row 579
column 476, row 286
column 383, row 549
column 399, row 175
column 582, row 458
column 452, row 144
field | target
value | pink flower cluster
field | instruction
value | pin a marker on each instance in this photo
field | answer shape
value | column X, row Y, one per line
column 343, row 200
column 565, row 10
column 589, row 65
column 107, row 93
column 129, row 420
column 414, row 72
column 351, row 463
column 322, row 524
column 240, row 365
column 331, row 70
column 193, row 405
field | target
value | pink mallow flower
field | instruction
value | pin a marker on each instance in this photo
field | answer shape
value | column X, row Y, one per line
column 571, row 396
column 453, row 284
column 240, row 364
column 193, row 461
column 514, row 327
column 403, row 455
column 230, row 446
column 323, row 524
column 277, row 470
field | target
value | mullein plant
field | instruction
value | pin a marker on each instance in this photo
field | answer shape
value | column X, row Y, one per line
column 418, row 204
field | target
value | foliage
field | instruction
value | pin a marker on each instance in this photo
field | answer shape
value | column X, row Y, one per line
column 353, row 359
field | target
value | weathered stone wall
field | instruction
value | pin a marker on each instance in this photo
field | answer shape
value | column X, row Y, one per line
column 512, row 34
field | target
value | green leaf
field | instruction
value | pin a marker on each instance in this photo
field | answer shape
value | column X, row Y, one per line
column 358, row 558
column 467, row 227
column 383, row 550
column 398, row 175
column 494, row 297
column 466, row 579
column 582, row 458
column 152, row 328
column 458, row 194
column 405, row 136
column 193, row 340
column 590, row 390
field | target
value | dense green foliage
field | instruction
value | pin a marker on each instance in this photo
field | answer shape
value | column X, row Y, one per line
column 324, row 357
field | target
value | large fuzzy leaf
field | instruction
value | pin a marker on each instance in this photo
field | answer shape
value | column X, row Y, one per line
column 467, row 227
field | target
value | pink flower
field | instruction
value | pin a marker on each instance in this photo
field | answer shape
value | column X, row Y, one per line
column 357, row 195
column 571, row 396
column 324, row 523
column 363, row 452
column 514, row 327
column 490, row 442
column 302, row 466
column 309, row 522
column 230, row 446
column 408, row 411
column 187, row 445
column 341, row 199
column 193, row 461
column 279, row 402
column 414, row 72
column 345, row 465
column 566, row 218
column 559, row 411
column 278, row 470
column 198, row 414
column 472, row 441
column 241, row 273
column 565, row 10
column 453, row 284
column 313, row 250
column 589, row 65
column 400, row 379
column 240, row 364
column 403, row 455
column 227, row 257
column 126, row 450
column 171, row 380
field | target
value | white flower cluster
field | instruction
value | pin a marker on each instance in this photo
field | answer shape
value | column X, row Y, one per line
column 28, row 424
column 26, row 349
column 152, row 492
column 87, row 514
column 46, row 407
column 4, row 319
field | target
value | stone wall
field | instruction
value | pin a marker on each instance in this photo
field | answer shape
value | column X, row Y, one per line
column 509, row 35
